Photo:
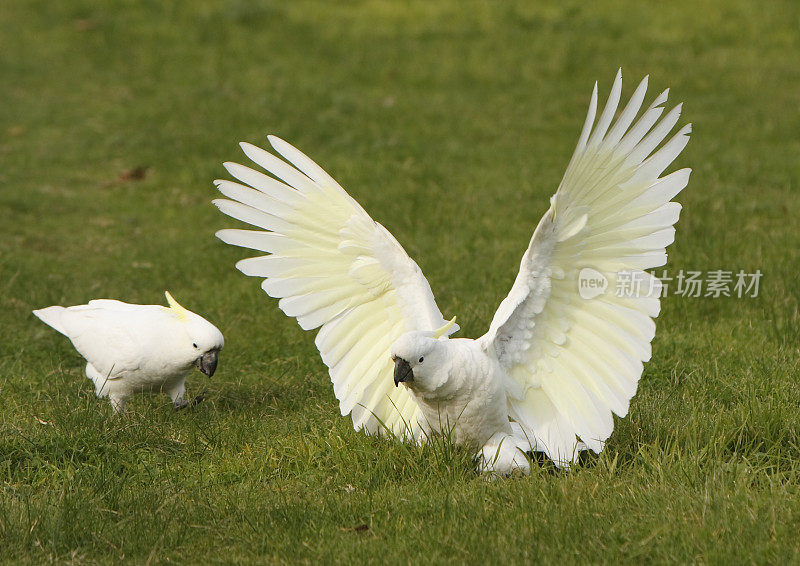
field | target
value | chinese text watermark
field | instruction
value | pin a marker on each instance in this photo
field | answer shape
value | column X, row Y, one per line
column 685, row 283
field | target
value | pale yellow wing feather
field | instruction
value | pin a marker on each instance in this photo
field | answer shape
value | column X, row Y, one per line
column 572, row 360
column 334, row 268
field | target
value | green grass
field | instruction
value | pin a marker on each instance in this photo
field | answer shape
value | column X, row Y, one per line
column 452, row 123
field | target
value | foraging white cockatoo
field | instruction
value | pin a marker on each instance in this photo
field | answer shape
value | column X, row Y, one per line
column 132, row 348
column 564, row 351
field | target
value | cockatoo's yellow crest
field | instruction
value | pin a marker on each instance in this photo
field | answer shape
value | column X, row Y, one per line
column 175, row 307
column 443, row 330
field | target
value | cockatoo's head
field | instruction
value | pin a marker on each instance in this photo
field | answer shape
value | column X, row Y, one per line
column 203, row 340
column 421, row 360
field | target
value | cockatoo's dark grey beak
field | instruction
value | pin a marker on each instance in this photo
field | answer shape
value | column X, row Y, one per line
column 402, row 371
column 207, row 363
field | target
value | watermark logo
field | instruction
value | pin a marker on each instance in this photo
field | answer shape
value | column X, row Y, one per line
column 591, row 283
column 685, row 283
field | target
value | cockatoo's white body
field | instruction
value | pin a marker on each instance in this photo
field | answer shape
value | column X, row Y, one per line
column 461, row 391
column 560, row 357
column 132, row 348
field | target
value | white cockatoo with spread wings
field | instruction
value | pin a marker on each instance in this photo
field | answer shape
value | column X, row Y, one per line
column 565, row 349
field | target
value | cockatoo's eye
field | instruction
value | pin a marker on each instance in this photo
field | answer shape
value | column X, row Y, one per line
column 422, row 359
column 195, row 345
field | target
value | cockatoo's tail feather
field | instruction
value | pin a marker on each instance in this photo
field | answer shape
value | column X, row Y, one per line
column 52, row 317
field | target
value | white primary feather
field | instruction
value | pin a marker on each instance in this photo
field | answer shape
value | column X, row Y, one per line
column 571, row 361
column 336, row 269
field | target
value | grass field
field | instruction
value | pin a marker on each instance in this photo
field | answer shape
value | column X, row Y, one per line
column 452, row 123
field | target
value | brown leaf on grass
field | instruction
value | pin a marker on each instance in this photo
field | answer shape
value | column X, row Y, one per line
column 85, row 24
column 362, row 528
column 102, row 221
column 135, row 174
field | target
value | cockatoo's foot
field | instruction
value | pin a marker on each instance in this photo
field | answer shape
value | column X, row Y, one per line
column 181, row 403
column 503, row 455
column 117, row 403
column 176, row 394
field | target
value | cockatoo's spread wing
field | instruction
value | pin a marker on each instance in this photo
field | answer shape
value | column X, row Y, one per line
column 573, row 355
column 333, row 268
